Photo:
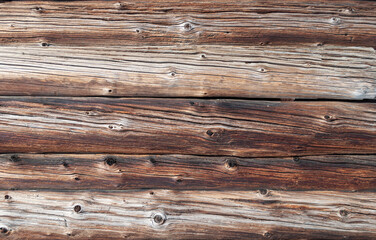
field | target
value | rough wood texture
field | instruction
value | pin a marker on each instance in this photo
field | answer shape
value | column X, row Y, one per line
column 215, row 49
column 190, row 71
column 186, row 126
column 240, row 22
column 170, row 214
column 88, row 164
column 108, row 172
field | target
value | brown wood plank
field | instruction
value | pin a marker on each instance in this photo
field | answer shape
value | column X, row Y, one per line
column 168, row 214
column 190, row 71
column 242, row 22
column 122, row 172
column 186, row 126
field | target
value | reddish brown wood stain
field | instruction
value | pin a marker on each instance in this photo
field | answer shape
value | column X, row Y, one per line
column 122, row 172
column 166, row 126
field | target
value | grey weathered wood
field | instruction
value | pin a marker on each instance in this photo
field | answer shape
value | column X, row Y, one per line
column 242, row 22
column 243, row 49
column 187, row 214
column 307, row 71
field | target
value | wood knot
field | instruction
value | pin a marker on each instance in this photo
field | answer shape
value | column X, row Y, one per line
column 118, row 128
column 263, row 192
column 152, row 160
column 120, row 6
column 335, row 20
column 219, row 135
column 296, row 159
column 110, row 161
column 159, row 218
column 262, row 70
column 188, row 27
column 38, row 9
column 15, row 158
column 231, row 164
column 7, row 197
column 45, row 44
column 209, row 133
column 77, row 208
column 172, row 74
column 4, row 230
column 203, row 56
column 329, row 118
column 65, row 164
column 343, row 213
column 268, row 234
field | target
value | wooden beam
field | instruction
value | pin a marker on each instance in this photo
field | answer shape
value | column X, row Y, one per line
column 123, row 172
column 243, row 22
column 171, row 214
column 186, row 126
column 331, row 72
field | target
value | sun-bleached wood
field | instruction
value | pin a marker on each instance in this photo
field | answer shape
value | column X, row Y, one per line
column 242, row 128
column 187, row 214
column 242, row 49
column 307, row 71
column 122, row 172
column 242, row 22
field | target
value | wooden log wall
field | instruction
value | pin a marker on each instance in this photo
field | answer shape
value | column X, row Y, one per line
column 198, row 119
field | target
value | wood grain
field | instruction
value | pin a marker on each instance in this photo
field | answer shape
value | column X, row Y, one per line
column 79, row 161
column 309, row 72
column 122, row 172
column 186, row 126
column 167, row 214
column 242, row 22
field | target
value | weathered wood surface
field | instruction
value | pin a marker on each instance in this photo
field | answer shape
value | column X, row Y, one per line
column 242, row 22
column 190, row 71
column 90, row 165
column 170, row 214
column 122, row 172
column 189, row 49
column 186, row 126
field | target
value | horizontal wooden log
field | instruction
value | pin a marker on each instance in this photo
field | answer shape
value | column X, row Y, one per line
column 240, row 22
column 122, row 172
column 186, row 126
column 330, row 72
column 166, row 214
